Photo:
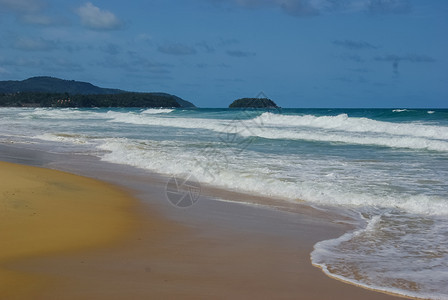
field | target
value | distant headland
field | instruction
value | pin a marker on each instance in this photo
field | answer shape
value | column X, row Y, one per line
column 253, row 103
column 46, row 91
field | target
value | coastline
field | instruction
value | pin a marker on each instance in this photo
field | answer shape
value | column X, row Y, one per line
column 214, row 249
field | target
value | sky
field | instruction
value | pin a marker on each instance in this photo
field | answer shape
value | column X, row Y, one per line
column 299, row 53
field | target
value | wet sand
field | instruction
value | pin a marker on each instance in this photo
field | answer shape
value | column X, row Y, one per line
column 107, row 244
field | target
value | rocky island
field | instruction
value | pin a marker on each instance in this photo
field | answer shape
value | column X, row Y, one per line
column 253, row 103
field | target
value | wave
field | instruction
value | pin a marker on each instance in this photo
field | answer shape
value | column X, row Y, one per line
column 396, row 253
column 345, row 123
column 63, row 137
column 155, row 111
column 331, row 129
column 211, row 166
column 415, row 143
column 166, row 121
column 61, row 114
column 339, row 129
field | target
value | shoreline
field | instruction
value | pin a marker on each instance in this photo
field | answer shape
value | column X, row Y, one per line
column 214, row 249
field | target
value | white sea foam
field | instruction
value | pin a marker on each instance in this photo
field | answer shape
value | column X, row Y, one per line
column 340, row 129
column 155, row 111
column 345, row 123
column 258, row 176
column 399, row 110
column 155, row 120
column 64, row 138
column 386, row 141
column 61, row 114
column 395, row 253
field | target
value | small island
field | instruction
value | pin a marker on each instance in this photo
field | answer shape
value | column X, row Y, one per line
column 253, row 103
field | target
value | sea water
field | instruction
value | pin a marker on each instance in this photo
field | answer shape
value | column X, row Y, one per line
column 388, row 167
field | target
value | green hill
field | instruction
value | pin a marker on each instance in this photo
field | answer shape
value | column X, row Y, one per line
column 47, row 84
column 49, row 91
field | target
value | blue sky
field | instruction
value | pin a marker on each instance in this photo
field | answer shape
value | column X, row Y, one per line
column 300, row 53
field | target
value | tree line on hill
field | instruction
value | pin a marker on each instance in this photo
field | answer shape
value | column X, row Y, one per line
column 40, row 99
column 44, row 91
column 253, row 103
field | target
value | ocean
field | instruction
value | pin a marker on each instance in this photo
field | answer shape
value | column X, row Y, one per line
column 385, row 168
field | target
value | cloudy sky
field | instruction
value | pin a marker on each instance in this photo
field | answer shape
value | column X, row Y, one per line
column 300, row 53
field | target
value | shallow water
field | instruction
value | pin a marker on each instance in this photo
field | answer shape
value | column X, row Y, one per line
column 388, row 166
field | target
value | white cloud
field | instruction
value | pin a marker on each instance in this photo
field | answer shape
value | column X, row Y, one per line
column 28, row 11
column 95, row 18
column 21, row 6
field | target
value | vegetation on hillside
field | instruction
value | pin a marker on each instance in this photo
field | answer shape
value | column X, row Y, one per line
column 36, row 99
column 253, row 103
column 54, row 92
column 47, row 84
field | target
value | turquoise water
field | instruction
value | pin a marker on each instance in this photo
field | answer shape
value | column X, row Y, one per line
column 389, row 167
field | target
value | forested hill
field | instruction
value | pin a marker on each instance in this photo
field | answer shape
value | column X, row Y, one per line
column 55, row 92
column 53, row 85
column 253, row 103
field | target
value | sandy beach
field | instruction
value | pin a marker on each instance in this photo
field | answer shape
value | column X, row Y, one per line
column 69, row 237
column 45, row 212
column 223, row 149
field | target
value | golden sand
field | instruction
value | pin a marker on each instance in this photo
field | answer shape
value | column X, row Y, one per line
column 43, row 212
column 67, row 237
